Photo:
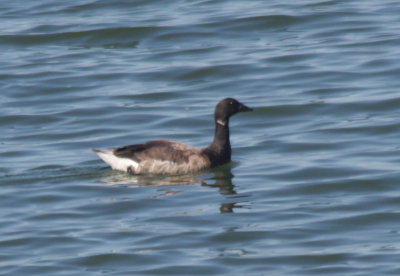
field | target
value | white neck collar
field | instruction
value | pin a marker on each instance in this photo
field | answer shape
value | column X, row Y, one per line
column 220, row 122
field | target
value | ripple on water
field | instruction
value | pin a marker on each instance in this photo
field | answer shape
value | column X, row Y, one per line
column 313, row 186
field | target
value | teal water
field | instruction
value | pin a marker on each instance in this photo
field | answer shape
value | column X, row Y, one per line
column 313, row 188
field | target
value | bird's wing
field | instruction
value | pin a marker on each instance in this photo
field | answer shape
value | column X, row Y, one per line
column 162, row 150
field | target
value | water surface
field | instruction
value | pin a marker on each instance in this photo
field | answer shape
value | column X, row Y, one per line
column 313, row 186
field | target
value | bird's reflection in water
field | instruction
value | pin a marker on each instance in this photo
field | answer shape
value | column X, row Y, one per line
column 115, row 178
column 220, row 178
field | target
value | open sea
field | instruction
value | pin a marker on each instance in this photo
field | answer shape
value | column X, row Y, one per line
column 314, row 184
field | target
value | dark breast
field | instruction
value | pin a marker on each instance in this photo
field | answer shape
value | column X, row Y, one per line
column 217, row 157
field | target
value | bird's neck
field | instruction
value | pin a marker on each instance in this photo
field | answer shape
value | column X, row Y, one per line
column 221, row 135
column 220, row 148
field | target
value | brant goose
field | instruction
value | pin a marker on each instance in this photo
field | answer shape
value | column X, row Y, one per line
column 170, row 157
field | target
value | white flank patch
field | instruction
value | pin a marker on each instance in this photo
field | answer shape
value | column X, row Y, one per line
column 117, row 163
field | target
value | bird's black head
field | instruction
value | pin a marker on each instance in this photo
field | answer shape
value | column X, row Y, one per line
column 228, row 107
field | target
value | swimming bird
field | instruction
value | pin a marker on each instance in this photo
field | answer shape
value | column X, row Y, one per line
column 171, row 157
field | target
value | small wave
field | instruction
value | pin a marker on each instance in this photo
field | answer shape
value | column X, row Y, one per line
column 127, row 37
